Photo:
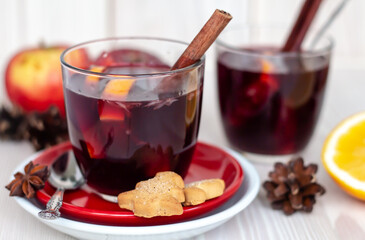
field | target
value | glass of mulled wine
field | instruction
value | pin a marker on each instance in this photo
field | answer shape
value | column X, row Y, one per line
column 128, row 115
column 269, row 100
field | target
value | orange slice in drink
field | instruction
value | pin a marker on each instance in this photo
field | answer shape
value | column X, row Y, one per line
column 116, row 90
column 92, row 79
column 343, row 155
column 191, row 98
column 191, row 105
column 267, row 67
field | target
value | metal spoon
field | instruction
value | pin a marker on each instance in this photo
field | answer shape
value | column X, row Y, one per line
column 328, row 23
column 64, row 175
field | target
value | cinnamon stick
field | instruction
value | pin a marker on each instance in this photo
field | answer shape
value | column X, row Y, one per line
column 301, row 26
column 207, row 35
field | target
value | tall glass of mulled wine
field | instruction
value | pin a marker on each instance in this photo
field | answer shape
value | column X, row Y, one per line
column 269, row 101
column 128, row 115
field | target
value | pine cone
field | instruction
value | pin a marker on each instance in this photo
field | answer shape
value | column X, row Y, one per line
column 46, row 129
column 12, row 123
column 41, row 129
column 293, row 186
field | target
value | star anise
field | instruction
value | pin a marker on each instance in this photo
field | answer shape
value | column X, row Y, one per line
column 26, row 184
column 293, row 186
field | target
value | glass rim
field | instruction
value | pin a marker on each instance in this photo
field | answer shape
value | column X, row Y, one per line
column 113, row 75
column 308, row 54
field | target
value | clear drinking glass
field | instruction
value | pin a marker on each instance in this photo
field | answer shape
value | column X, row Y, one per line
column 269, row 100
column 128, row 115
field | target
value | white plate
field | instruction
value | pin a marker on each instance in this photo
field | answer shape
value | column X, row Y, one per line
column 240, row 200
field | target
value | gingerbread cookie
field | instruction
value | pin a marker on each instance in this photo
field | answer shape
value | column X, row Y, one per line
column 200, row 191
column 159, row 196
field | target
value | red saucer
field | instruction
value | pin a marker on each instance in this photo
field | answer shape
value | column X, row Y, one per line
column 82, row 205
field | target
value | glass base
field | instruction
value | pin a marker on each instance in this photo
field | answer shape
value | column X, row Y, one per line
column 262, row 158
column 109, row 198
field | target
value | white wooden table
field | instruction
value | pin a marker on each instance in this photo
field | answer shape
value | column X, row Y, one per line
column 336, row 215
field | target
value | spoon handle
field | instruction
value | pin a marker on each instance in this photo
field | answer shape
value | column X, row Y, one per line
column 54, row 204
column 328, row 23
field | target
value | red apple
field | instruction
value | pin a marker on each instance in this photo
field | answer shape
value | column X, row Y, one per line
column 33, row 78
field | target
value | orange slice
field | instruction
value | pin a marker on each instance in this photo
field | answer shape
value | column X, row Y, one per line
column 191, row 99
column 267, row 67
column 118, row 88
column 191, row 105
column 92, row 78
column 110, row 111
column 343, row 155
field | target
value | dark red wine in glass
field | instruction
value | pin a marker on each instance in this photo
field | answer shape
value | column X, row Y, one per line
column 120, row 142
column 270, row 106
